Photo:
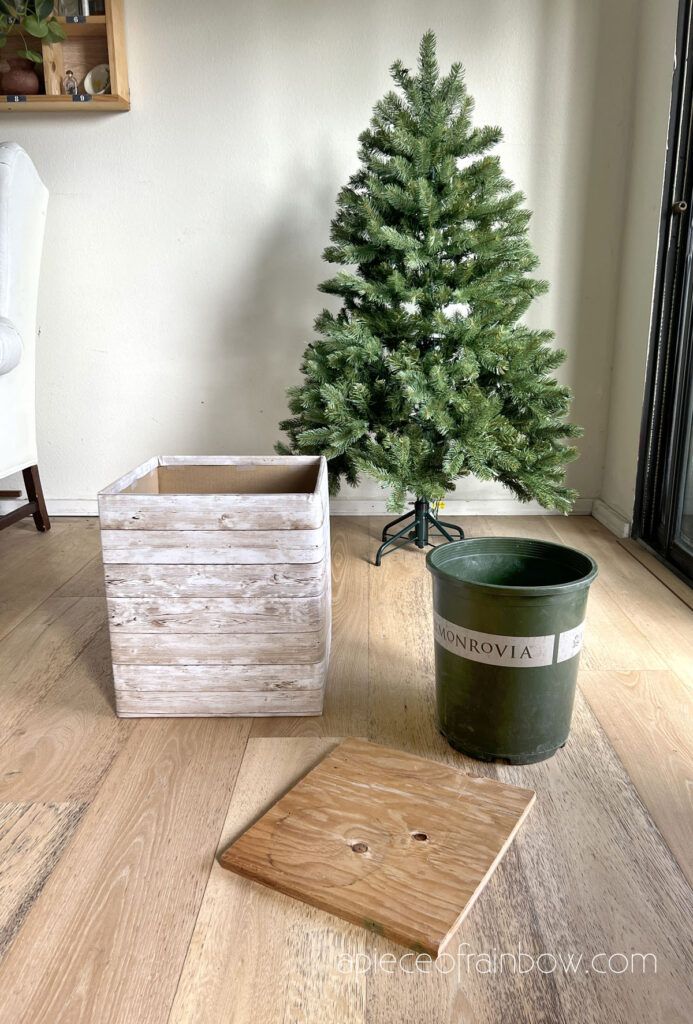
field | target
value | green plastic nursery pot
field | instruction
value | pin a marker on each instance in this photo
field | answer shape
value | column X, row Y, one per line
column 508, row 623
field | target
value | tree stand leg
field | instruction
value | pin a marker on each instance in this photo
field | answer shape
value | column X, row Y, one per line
column 442, row 527
column 416, row 530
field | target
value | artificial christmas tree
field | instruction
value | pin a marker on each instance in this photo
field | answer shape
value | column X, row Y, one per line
column 427, row 372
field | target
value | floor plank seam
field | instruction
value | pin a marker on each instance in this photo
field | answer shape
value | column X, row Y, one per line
column 9, row 933
column 663, row 576
column 635, row 792
column 209, row 873
column 48, row 597
column 45, row 694
column 654, row 575
column 686, row 683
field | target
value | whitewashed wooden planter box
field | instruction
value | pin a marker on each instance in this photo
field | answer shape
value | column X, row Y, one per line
column 218, row 585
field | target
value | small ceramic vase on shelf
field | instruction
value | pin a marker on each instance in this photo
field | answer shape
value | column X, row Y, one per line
column 21, row 79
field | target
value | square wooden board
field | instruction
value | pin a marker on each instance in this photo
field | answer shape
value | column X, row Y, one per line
column 392, row 842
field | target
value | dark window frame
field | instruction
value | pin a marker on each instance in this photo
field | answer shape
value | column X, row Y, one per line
column 668, row 390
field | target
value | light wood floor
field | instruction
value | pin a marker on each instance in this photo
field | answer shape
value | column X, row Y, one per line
column 113, row 908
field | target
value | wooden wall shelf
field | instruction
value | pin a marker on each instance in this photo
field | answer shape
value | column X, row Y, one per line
column 98, row 39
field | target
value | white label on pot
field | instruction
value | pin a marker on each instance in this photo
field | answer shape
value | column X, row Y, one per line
column 570, row 643
column 511, row 651
column 491, row 649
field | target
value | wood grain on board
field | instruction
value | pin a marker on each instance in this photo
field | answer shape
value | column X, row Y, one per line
column 397, row 844
column 217, row 615
column 211, row 703
column 219, row 678
column 218, row 648
column 212, row 581
column 212, row 547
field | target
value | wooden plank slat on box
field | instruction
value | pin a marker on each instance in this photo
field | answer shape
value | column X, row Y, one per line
column 212, row 547
column 209, row 512
column 200, row 495
column 218, row 648
column 304, row 579
column 210, row 678
column 202, row 703
column 216, row 614
column 219, row 562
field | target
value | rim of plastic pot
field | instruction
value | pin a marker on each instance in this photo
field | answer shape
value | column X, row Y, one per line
column 440, row 560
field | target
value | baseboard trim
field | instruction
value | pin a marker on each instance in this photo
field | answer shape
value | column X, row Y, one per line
column 458, row 507
column 352, row 507
column 455, row 507
column 615, row 522
column 60, row 506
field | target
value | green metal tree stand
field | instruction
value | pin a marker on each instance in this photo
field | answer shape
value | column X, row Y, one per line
column 416, row 528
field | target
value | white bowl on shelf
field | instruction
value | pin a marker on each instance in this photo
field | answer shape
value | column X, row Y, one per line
column 98, row 80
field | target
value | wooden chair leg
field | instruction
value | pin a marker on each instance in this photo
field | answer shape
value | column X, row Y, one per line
column 34, row 492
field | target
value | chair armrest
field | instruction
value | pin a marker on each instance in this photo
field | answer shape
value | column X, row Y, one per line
column 10, row 346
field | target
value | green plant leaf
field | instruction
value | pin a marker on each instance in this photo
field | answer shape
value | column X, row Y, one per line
column 3, row 41
column 44, row 9
column 56, row 32
column 31, row 55
column 34, row 27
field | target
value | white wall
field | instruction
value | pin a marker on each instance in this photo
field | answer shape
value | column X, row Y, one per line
column 644, row 197
column 184, row 238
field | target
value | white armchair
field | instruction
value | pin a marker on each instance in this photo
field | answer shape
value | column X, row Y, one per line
column 23, row 205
